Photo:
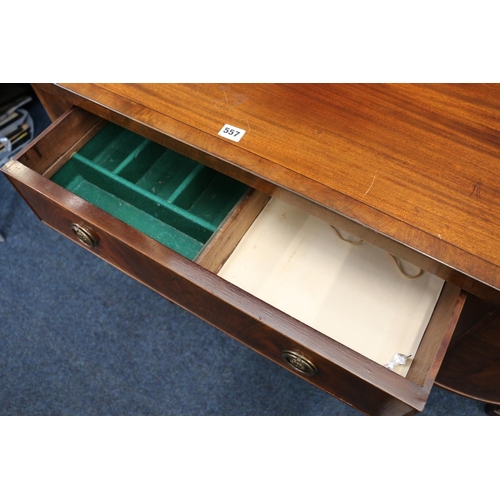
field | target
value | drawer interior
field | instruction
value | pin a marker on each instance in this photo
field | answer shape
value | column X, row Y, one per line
column 169, row 197
column 354, row 293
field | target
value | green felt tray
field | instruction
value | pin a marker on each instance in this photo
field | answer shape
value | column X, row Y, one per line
column 169, row 197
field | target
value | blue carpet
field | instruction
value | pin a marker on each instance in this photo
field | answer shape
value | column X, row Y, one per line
column 78, row 337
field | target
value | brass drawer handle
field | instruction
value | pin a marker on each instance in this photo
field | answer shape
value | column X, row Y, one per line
column 299, row 363
column 84, row 235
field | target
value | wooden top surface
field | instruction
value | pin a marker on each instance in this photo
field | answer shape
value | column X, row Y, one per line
column 417, row 163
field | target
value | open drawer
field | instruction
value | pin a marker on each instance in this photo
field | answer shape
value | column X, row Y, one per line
column 282, row 282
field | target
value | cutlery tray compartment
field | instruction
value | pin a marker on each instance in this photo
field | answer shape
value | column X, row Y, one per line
column 174, row 200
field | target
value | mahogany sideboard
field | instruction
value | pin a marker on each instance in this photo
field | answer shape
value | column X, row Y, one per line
column 410, row 171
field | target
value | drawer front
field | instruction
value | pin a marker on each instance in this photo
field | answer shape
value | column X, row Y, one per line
column 307, row 353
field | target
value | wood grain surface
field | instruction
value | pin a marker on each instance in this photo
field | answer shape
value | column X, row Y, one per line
column 415, row 163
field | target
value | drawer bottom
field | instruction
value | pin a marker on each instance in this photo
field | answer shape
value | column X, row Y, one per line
column 355, row 294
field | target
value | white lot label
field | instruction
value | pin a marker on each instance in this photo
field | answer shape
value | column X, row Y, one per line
column 232, row 133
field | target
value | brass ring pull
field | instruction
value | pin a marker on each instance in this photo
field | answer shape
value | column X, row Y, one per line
column 299, row 363
column 84, row 235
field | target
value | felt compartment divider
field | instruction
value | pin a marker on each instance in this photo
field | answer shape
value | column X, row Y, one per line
column 169, row 197
column 132, row 188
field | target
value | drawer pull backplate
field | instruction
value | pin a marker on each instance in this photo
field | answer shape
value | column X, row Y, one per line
column 299, row 363
column 84, row 235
